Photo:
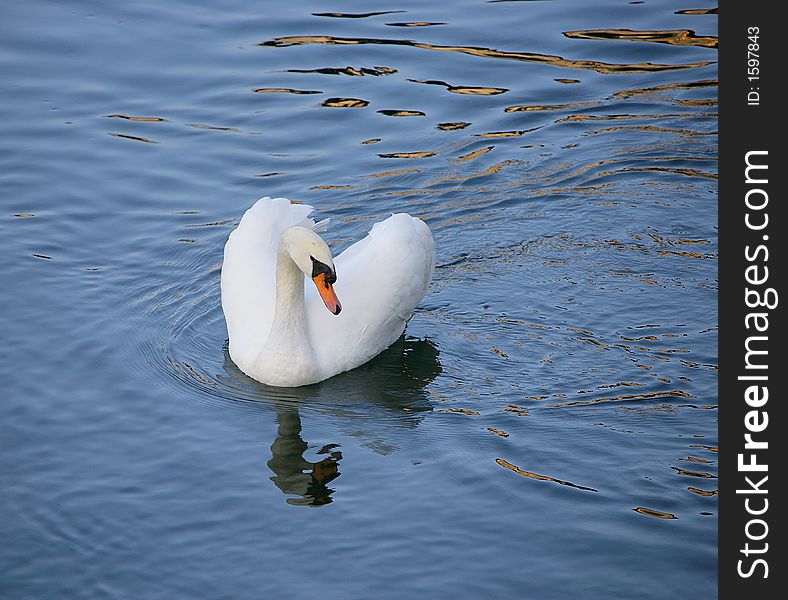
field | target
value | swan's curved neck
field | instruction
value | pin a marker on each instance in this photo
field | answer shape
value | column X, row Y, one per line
column 287, row 356
column 290, row 324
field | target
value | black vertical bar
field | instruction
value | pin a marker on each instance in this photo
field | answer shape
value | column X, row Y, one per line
column 751, row 545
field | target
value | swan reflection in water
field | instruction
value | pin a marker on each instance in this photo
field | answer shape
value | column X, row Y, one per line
column 295, row 475
column 390, row 388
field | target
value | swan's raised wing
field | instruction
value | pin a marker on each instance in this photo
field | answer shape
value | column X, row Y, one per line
column 380, row 280
column 249, row 272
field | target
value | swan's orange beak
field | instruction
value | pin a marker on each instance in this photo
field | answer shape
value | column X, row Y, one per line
column 326, row 291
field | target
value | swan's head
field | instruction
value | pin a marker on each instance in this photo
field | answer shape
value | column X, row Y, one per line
column 311, row 254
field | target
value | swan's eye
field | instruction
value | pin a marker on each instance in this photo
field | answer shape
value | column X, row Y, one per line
column 320, row 267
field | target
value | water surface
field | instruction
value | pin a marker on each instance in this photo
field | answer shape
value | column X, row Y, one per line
column 547, row 426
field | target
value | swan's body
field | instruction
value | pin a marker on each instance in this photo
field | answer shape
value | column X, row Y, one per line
column 280, row 332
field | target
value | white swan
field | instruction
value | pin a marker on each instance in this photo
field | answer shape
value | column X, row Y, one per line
column 280, row 333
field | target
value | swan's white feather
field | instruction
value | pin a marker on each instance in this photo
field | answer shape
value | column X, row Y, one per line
column 380, row 280
column 248, row 279
column 321, row 225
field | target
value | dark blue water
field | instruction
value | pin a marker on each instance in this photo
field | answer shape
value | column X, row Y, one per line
column 547, row 426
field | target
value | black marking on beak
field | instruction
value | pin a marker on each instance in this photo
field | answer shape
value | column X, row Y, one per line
column 319, row 267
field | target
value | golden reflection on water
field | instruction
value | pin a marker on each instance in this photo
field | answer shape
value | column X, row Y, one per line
column 712, row 449
column 697, row 102
column 402, row 113
column 686, row 254
column 195, row 374
column 136, row 138
column 507, row 465
column 700, row 474
column 678, row 171
column 541, row 107
column 627, row 117
column 342, row 15
column 498, row 432
column 211, row 127
column 463, row 89
column 345, row 103
column 698, row 11
column 130, row 118
column 707, row 493
column 698, row 460
column 473, row 155
column 502, row 134
column 654, row 129
column 558, row 61
column 626, row 398
column 621, row 383
column 351, row 71
column 425, row 154
column 285, row 91
column 551, row 180
column 395, row 172
column 488, row 171
column 676, row 37
column 704, row 83
column 652, row 512
column 415, row 24
column 459, row 411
